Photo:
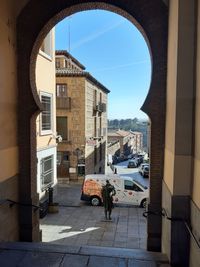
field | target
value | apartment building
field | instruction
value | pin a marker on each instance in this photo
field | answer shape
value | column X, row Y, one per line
column 46, row 120
column 130, row 142
column 81, row 114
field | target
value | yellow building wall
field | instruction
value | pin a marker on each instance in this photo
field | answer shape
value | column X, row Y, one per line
column 196, row 181
column 171, row 96
column 8, row 89
column 9, row 169
column 178, row 152
column 45, row 82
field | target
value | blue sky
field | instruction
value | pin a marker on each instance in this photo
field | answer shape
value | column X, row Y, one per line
column 115, row 53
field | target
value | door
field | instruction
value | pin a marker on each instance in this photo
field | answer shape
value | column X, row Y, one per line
column 132, row 193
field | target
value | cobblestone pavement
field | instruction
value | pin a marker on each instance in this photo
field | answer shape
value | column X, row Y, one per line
column 78, row 223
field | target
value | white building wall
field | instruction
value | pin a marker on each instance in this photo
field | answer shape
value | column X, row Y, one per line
column 43, row 154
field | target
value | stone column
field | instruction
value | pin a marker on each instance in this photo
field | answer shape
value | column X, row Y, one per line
column 179, row 130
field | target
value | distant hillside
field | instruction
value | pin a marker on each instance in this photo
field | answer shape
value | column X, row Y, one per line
column 130, row 124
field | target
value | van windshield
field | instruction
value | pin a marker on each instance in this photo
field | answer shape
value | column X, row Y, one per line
column 143, row 186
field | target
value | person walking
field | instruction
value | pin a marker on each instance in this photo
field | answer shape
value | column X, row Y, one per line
column 108, row 191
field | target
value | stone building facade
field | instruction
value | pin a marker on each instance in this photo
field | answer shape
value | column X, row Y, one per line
column 81, row 119
column 130, row 142
column 137, row 142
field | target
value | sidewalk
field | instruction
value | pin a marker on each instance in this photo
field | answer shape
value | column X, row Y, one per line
column 78, row 236
column 78, row 223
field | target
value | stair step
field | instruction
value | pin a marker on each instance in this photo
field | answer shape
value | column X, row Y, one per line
column 35, row 254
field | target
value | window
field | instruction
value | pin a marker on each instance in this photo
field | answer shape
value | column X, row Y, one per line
column 95, row 126
column 100, row 97
column 95, row 98
column 128, row 185
column 62, row 128
column 65, row 156
column 57, row 63
column 100, row 151
column 95, row 155
column 46, row 169
column 61, row 90
column 66, row 63
column 46, row 114
column 100, row 127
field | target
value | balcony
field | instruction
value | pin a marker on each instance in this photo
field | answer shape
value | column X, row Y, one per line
column 63, row 103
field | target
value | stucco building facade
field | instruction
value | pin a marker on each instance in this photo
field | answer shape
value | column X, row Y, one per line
column 81, row 119
column 171, row 29
column 46, row 120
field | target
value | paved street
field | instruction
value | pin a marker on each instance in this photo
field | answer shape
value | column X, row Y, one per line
column 78, row 223
column 132, row 172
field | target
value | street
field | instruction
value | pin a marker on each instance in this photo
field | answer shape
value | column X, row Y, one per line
column 78, row 223
column 132, row 172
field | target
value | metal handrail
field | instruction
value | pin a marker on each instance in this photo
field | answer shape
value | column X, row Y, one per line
column 13, row 202
column 188, row 227
column 163, row 213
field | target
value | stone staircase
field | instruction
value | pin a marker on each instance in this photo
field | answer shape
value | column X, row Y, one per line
column 21, row 254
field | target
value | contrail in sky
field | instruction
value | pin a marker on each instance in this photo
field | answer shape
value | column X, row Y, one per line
column 122, row 65
column 96, row 35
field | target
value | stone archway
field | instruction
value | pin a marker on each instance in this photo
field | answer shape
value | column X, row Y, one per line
column 35, row 20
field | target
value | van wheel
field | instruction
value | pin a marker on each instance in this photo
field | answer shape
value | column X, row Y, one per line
column 144, row 203
column 95, row 201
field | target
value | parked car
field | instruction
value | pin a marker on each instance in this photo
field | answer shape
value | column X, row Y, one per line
column 123, row 157
column 145, row 171
column 132, row 164
column 140, row 169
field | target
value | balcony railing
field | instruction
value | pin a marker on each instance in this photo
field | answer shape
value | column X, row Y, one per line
column 63, row 102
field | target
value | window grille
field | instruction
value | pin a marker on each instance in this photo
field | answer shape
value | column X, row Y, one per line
column 46, row 169
column 46, row 113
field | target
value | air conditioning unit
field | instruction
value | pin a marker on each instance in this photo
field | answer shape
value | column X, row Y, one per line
column 101, row 107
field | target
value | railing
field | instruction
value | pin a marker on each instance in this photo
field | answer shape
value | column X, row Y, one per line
column 12, row 203
column 164, row 214
column 113, row 143
column 63, row 102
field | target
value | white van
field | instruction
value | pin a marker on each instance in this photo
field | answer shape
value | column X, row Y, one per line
column 128, row 191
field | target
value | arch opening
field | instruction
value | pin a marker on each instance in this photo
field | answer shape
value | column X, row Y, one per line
column 155, row 29
column 71, row 151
